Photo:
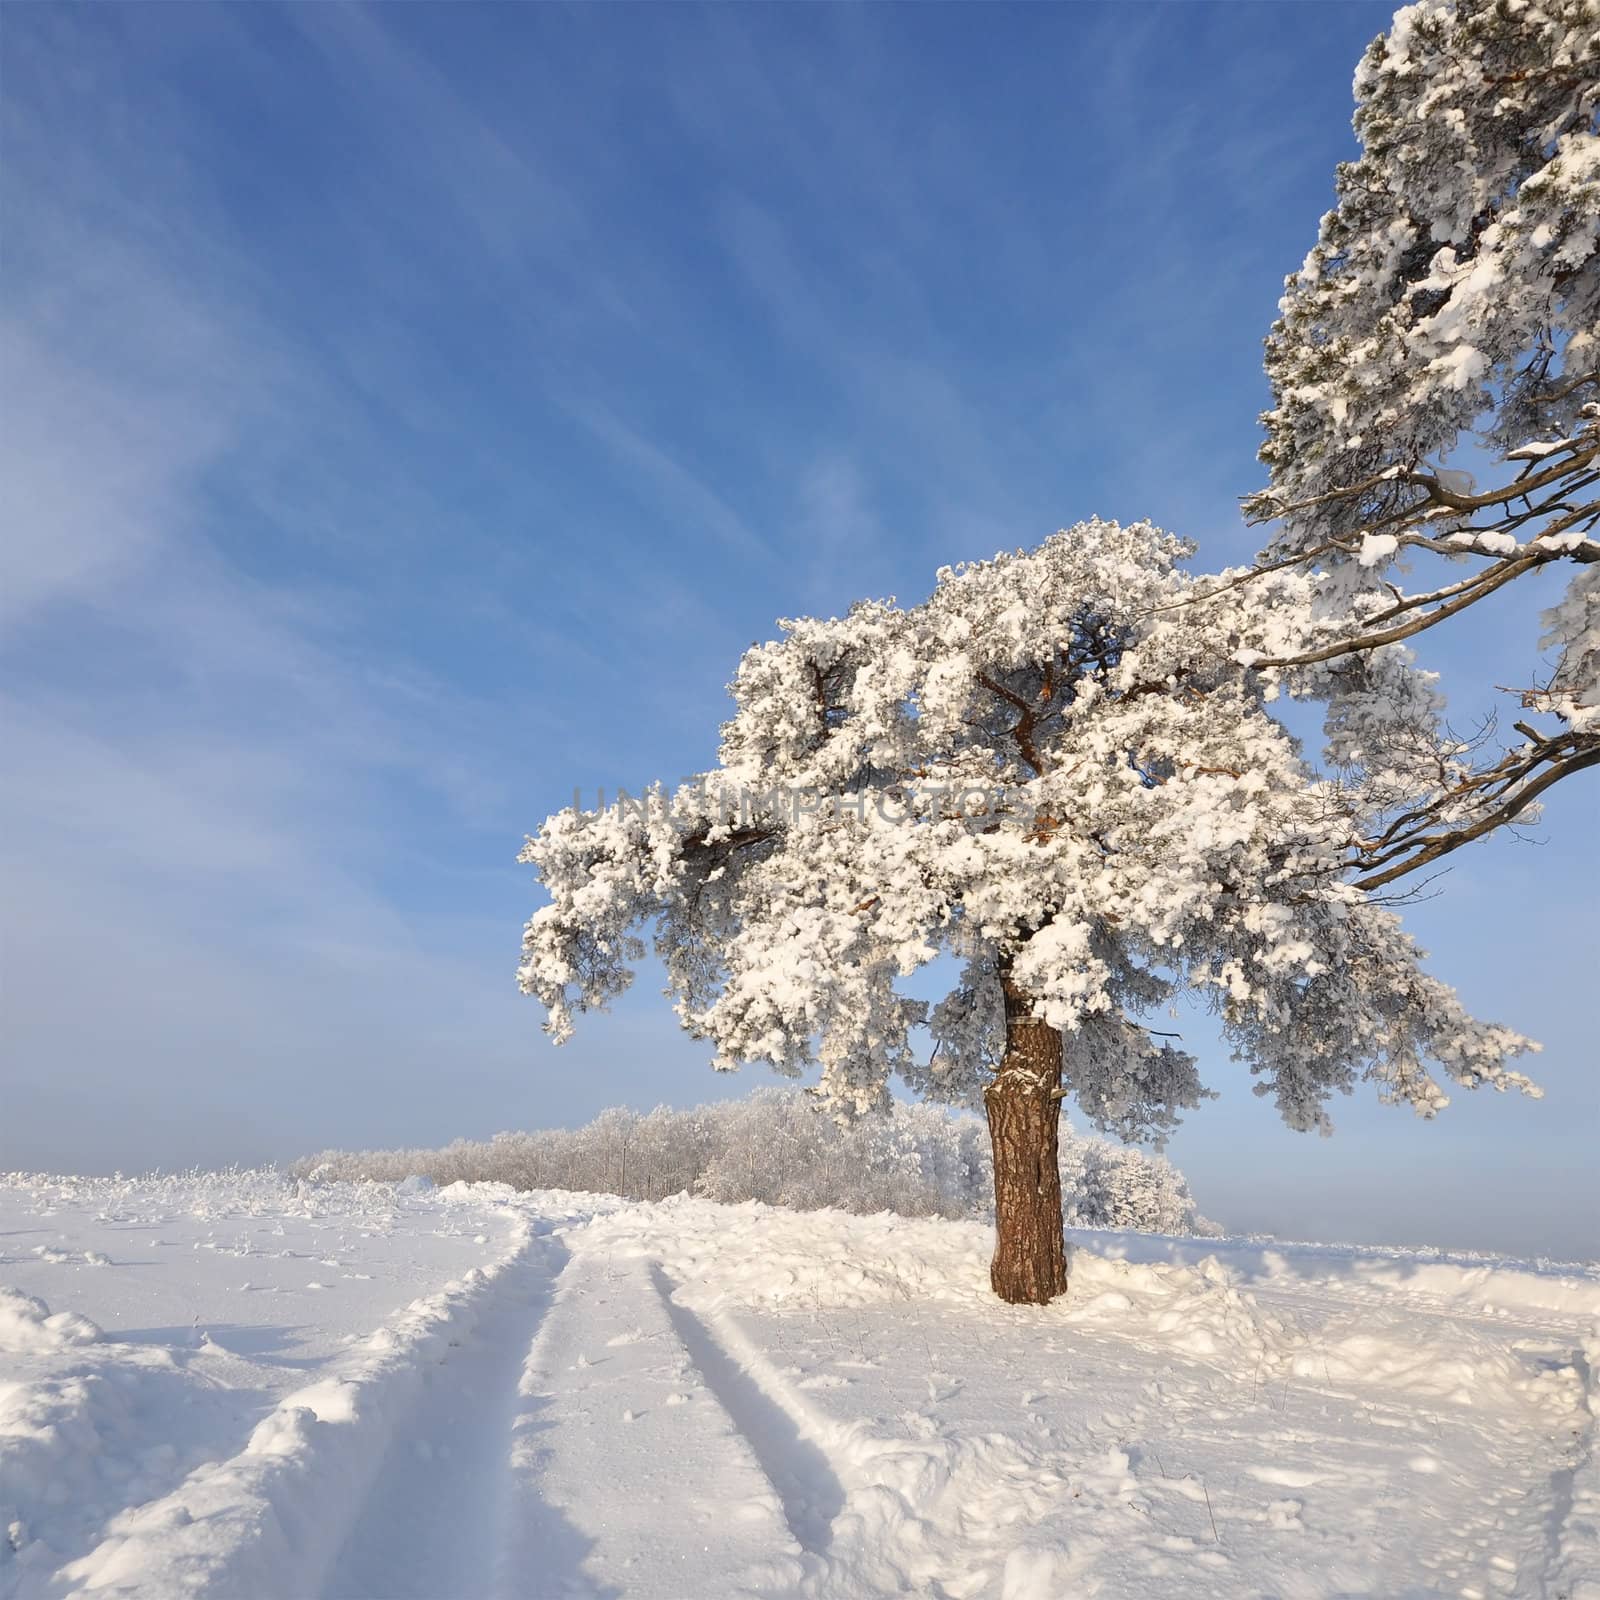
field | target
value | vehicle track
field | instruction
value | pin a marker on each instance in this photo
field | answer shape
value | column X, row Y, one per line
column 318, row 1499
column 615, row 1419
column 547, row 1436
column 798, row 1469
column 433, row 1519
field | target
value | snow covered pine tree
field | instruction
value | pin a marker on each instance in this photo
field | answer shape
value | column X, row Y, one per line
column 1055, row 770
column 1453, row 297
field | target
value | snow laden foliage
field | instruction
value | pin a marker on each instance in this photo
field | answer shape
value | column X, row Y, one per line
column 778, row 1146
column 1054, row 771
column 1453, row 299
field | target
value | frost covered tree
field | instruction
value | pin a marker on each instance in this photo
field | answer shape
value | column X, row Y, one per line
column 1452, row 301
column 781, row 1147
column 1108, row 1185
column 1054, row 771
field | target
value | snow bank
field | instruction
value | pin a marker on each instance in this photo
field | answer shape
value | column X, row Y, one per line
column 1457, row 1278
column 27, row 1325
column 1438, row 1367
column 54, row 1435
column 757, row 1256
column 99, row 1427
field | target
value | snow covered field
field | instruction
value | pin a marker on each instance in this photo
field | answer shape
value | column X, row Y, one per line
column 233, row 1385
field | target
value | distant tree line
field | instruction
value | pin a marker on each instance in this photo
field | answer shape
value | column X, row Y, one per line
column 781, row 1147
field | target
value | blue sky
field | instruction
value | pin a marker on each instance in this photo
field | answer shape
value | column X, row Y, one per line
column 412, row 412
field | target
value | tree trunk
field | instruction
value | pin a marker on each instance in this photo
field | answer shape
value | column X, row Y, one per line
column 1024, row 1107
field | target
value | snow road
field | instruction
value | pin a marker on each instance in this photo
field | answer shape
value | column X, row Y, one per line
column 237, row 1386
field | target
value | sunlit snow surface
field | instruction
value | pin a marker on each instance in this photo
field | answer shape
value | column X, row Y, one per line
column 234, row 1385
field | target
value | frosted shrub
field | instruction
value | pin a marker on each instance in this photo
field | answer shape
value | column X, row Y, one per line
column 780, row 1147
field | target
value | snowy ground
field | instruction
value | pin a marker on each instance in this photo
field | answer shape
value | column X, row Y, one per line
column 231, row 1386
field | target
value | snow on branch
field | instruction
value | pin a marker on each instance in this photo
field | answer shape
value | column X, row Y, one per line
column 1452, row 299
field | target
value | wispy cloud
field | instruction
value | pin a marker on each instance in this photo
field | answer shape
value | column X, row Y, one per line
column 204, row 759
column 665, row 479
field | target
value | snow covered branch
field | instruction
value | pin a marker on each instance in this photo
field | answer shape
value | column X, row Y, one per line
column 1453, row 299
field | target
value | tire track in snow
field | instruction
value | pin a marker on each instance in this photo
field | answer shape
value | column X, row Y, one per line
column 903, row 1511
column 434, row 1518
column 629, row 1476
column 800, row 1472
column 274, row 1519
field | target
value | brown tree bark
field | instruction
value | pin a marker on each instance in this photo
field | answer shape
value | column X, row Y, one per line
column 1024, row 1108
